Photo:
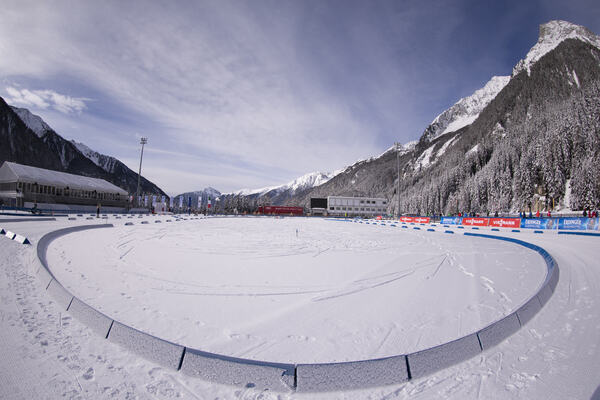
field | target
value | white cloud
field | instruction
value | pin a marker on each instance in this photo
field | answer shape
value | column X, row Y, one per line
column 44, row 99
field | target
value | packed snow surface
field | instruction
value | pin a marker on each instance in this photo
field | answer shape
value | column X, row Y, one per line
column 46, row 354
column 249, row 287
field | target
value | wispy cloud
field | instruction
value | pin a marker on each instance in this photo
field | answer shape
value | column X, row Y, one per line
column 287, row 87
column 44, row 99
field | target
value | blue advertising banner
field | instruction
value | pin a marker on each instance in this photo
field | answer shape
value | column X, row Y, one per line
column 539, row 223
column 580, row 224
column 451, row 220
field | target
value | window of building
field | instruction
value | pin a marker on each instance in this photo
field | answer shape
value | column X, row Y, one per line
column 331, row 208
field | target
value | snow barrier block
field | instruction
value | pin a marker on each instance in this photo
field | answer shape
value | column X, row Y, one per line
column 417, row 228
column 515, row 230
column 538, row 231
column 238, row 372
column 9, row 234
column 44, row 277
column 351, row 375
column 80, row 215
column 94, row 319
column 128, row 223
column 430, row 230
column 528, row 310
column 498, row 331
column 495, row 230
column 448, row 231
column 152, row 348
column 553, row 280
column 145, row 222
column 475, row 228
column 157, row 221
column 60, row 294
column 460, row 227
column 72, row 219
column 544, row 295
column 428, row 361
column 21, row 239
column 89, row 218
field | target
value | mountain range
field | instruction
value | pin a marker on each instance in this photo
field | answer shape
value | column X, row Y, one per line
column 530, row 140
column 28, row 140
column 526, row 141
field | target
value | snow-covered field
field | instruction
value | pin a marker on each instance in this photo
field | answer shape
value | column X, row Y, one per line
column 335, row 291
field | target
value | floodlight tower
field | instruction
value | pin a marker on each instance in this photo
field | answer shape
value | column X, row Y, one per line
column 143, row 141
column 398, row 187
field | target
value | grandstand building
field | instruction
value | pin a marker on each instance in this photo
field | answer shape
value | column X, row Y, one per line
column 350, row 206
column 26, row 186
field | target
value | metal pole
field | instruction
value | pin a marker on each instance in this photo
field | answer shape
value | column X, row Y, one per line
column 398, row 187
column 143, row 141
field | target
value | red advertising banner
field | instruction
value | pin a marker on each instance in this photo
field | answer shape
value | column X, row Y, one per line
column 476, row 221
column 420, row 220
column 505, row 222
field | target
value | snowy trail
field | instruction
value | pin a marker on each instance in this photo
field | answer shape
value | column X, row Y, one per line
column 207, row 285
column 46, row 354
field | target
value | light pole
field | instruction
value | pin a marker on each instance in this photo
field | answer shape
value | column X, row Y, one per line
column 398, row 184
column 143, row 141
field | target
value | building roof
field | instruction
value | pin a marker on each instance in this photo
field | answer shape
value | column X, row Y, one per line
column 13, row 172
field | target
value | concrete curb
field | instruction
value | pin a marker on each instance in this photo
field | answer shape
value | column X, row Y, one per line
column 27, row 219
column 351, row 375
column 160, row 351
column 239, row 372
column 302, row 377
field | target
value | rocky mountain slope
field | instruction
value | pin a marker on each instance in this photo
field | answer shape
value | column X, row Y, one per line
column 531, row 143
column 29, row 140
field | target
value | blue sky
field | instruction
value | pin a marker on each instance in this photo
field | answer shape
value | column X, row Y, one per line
column 246, row 94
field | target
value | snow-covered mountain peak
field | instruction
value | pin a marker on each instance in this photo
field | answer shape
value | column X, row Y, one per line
column 551, row 35
column 465, row 111
column 309, row 180
column 306, row 181
column 32, row 121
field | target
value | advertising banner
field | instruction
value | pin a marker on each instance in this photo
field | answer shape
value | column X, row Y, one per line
column 171, row 202
column 475, row 221
column 199, row 201
column 146, row 201
column 420, row 220
column 451, row 220
column 153, row 199
column 580, row 224
column 189, row 201
column 209, row 204
column 538, row 223
column 180, row 201
column 162, row 199
column 505, row 222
